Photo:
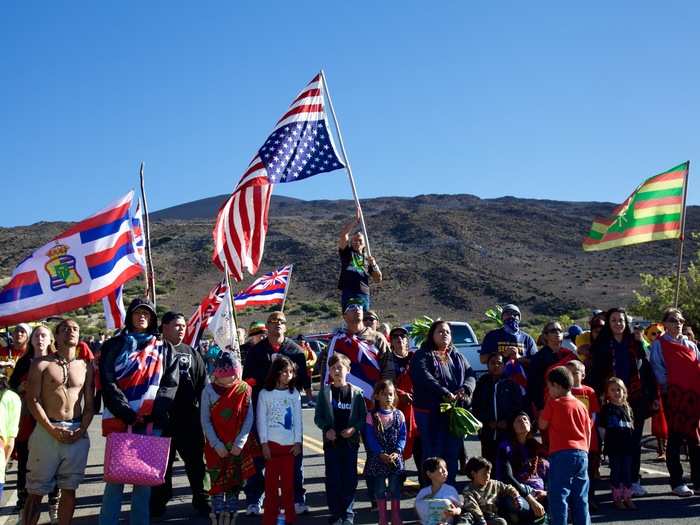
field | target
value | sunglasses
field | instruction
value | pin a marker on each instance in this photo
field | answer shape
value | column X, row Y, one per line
column 675, row 320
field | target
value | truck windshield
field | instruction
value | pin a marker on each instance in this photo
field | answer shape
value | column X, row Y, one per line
column 462, row 335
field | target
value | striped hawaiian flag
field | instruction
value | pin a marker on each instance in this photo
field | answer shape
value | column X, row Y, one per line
column 267, row 290
column 77, row 268
column 655, row 211
column 364, row 360
column 300, row 146
column 203, row 313
column 115, row 313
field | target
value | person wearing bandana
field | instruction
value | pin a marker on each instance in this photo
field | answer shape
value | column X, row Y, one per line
column 509, row 340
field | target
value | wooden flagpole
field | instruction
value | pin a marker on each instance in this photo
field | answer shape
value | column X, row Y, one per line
column 348, row 168
column 150, row 272
column 286, row 290
column 682, row 238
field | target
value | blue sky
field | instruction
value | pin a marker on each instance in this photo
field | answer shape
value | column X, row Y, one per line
column 532, row 99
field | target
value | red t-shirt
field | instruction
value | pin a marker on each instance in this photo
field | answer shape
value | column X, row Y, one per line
column 569, row 424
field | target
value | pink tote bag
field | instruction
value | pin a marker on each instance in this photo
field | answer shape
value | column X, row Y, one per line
column 136, row 459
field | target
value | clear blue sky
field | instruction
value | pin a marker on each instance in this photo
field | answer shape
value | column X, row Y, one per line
column 531, row 99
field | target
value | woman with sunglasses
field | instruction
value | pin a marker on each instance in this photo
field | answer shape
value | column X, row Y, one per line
column 617, row 353
column 676, row 363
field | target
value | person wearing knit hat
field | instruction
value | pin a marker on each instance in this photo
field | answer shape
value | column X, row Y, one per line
column 509, row 339
column 227, row 419
column 20, row 339
column 257, row 331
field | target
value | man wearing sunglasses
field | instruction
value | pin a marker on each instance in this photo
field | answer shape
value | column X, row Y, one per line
column 676, row 363
column 257, row 365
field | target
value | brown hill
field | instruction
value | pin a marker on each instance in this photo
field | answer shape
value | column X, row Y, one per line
column 443, row 255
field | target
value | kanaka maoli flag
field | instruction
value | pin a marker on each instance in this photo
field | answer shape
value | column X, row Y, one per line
column 75, row 269
column 655, row 211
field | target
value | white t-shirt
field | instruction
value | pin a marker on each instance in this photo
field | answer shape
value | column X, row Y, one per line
column 278, row 416
column 425, row 500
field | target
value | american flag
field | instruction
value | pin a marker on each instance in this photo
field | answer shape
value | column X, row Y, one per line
column 267, row 290
column 205, row 311
column 299, row 146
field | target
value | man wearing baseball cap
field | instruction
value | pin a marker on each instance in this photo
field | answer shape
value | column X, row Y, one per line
column 20, row 339
column 508, row 340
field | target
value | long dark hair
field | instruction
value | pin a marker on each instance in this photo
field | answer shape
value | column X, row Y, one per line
column 429, row 343
column 279, row 364
column 606, row 332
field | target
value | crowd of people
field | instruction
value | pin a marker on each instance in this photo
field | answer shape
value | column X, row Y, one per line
column 549, row 410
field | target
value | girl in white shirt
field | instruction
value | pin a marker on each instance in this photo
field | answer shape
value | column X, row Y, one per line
column 278, row 420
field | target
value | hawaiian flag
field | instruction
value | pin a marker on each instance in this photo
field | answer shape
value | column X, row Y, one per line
column 269, row 289
column 364, row 360
column 205, row 311
column 138, row 373
column 115, row 313
column 77, row 268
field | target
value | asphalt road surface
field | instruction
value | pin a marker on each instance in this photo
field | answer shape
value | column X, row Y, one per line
column 657, row 508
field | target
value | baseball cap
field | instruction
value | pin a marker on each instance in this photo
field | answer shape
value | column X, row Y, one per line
column 398, row 330
column 510, row 308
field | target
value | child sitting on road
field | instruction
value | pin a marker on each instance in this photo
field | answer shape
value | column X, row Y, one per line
column 438, row 503
column 483, row 495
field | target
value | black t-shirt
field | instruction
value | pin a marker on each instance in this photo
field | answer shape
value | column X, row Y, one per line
column 192, row 382
column 401, row 363
column 354, row 271
column 341, row 402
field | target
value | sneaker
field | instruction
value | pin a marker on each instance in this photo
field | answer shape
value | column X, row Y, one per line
column 301, row 508
column 53, row 513
column 253, row 510
column 638, row 490
column 311, row 403
column 682, row 491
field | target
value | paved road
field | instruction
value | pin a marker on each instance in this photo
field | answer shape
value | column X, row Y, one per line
column 658, row 508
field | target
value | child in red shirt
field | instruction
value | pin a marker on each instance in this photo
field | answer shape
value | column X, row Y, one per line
column 588, row 397
column 569, row 440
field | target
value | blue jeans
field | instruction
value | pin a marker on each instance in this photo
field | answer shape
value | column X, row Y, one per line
column 568, row 476
column 437, row 441
column 359, row 297
column 621, row 470
column 341, row 480
column 140, row 513
column 392, row 491
column 112, row 504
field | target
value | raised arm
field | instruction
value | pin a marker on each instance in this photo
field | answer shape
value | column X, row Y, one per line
column 344, row 237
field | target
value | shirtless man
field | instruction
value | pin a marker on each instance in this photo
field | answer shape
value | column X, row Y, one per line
column 60, row 397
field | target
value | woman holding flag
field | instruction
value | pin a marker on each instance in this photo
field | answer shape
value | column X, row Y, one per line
column 140, row 376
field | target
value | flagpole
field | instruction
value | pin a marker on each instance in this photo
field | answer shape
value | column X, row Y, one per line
column 286, row 289
column 348, row 168
column 682, row 238
column 150, row 272
column 234, row 321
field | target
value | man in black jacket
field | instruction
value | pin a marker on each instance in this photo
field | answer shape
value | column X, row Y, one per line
column 256, row 367
column 184, row 428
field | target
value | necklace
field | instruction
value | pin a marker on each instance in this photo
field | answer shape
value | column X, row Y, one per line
column 65, row 363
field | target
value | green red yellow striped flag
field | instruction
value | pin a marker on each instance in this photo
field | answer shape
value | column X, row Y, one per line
column 653, row 212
